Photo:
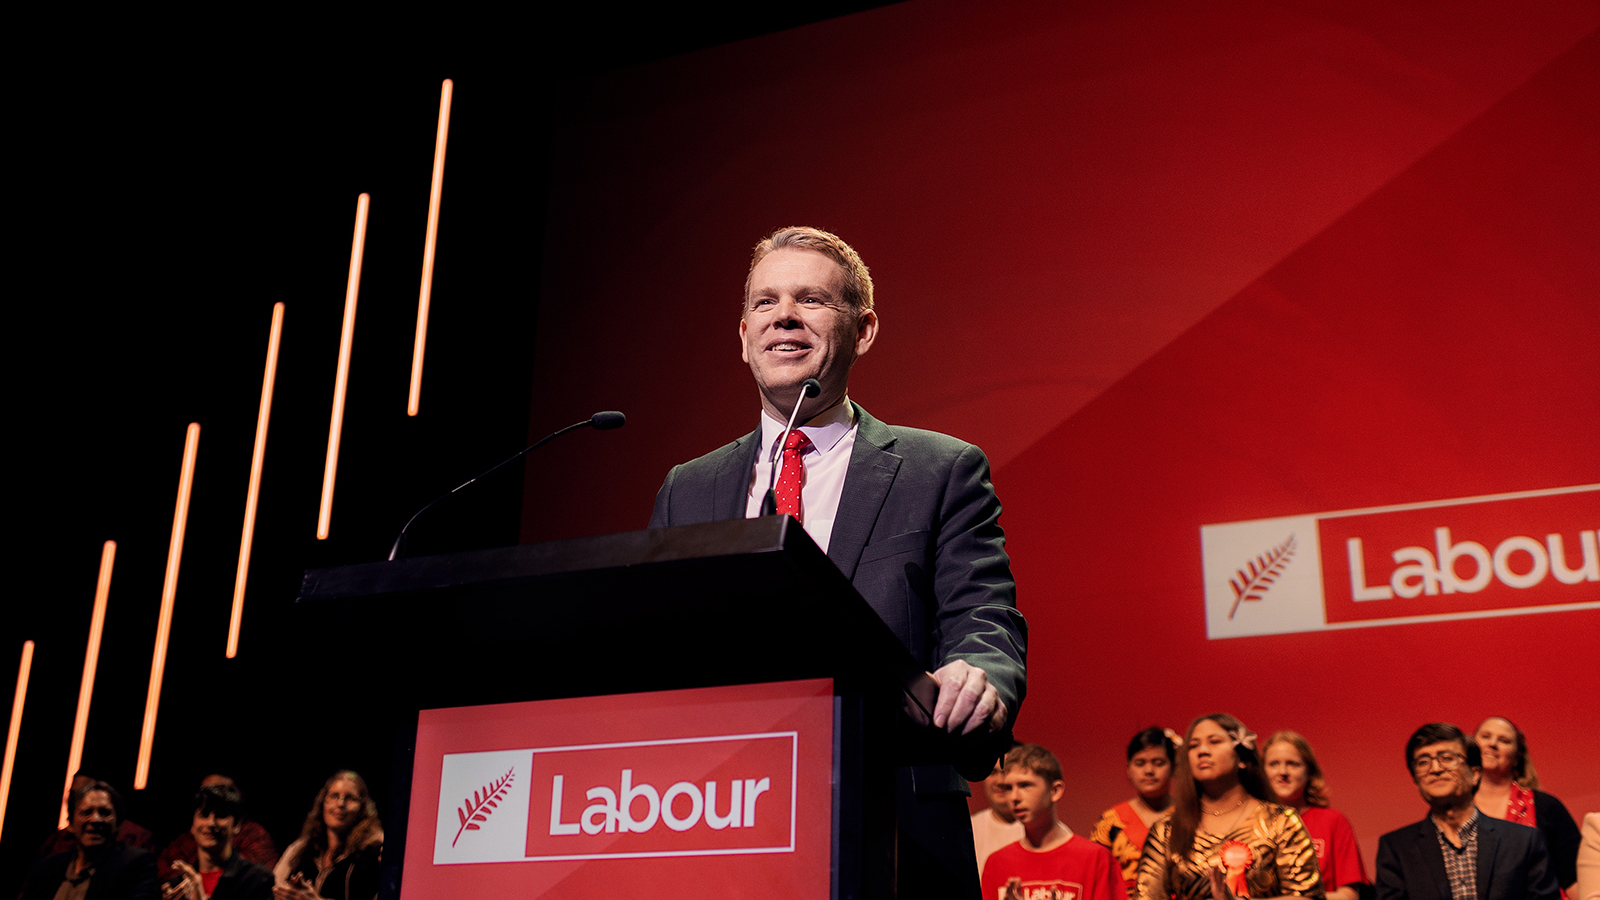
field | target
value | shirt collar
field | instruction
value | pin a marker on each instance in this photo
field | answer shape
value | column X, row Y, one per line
column 1467, row 829
column 825, row 430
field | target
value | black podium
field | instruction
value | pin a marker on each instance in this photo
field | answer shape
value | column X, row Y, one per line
column 738, row 602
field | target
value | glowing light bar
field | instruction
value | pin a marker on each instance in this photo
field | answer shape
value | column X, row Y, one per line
column 254, row 491
column 91, row 656
column 414, row 402
column 16, row 729
column 169, row 594
column 346, row 339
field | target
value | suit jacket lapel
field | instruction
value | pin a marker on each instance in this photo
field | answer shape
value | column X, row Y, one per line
column 1432, row 857
column 866, row 486
column 730, row 490
column 1488, row 845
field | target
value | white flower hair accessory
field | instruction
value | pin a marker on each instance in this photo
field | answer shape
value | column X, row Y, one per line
column 1173, row 737
column 1243, row 737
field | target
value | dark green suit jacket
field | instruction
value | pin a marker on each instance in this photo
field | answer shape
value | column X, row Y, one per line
column 917, row 533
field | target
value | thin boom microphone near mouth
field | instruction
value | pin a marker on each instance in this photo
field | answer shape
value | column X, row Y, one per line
column 769, row 504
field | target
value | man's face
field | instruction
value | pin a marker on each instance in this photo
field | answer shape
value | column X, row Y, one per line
column 94, row 820
column 214, row 833
column 1032, row 798
column 797, row 325
column 998, row 792
column 1443, row 777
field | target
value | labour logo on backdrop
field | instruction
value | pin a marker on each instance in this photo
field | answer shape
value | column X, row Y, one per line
column 1505, row 554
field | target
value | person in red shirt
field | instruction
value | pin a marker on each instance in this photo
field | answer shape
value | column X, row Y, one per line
column 1296, row 780
column 252, row 842
column 220, row 873
column 1049, row 862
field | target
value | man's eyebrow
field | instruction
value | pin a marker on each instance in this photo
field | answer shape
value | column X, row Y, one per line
column 798, row 290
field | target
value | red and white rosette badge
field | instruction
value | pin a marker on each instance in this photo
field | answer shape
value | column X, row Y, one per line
column 1236, row 858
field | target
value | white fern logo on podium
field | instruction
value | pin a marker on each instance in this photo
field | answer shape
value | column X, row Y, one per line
column 476, row 810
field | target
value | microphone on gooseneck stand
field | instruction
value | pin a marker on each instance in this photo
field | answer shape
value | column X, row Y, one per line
column 769, row 503
column 601, row 421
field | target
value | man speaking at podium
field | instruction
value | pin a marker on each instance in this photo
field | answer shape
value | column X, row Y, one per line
column 909, row 516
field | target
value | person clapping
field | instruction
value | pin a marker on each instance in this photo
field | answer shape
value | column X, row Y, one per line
column 221, row 873
column 337, row 854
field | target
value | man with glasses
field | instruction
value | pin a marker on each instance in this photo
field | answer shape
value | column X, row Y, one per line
column 1457, row 853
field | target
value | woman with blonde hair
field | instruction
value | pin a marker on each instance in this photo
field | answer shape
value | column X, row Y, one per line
column 1510, row 790
column 1225, row 838
column 338, row 852
column 1296, row 779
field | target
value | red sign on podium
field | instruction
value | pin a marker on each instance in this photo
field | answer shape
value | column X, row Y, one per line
column 728, row 790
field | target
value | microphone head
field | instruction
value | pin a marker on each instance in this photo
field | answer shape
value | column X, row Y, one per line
column 811, row 386
column 605, row 421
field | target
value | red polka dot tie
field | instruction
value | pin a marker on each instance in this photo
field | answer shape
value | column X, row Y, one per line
column 793, row 475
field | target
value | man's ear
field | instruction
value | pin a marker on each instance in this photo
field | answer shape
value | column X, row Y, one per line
column 744, row 353
column 866, row 331
column 1057, row 791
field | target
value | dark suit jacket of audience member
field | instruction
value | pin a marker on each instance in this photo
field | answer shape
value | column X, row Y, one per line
column 124, row 873
column 243, row 880
column 1513, row 863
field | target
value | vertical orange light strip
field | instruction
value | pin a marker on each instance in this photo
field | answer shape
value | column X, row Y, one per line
column 414, row 402
column 91, row 657
column 169, row 594
column 254, row 491
column 16, row 729
column 346, row 337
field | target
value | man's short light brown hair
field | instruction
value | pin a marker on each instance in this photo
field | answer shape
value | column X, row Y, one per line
column 1035, row 758
column 857, row 280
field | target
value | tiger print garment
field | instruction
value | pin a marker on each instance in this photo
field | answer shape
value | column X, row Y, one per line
column 1282, row 860
column 1121, row 831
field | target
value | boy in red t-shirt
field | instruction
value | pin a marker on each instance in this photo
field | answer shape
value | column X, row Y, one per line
column 1050, row 862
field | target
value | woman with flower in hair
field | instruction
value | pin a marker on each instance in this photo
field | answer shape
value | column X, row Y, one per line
column 337, row 854
column 1510, row 790
column 1122, row 828
column 1226, row 838
column 1296, row 779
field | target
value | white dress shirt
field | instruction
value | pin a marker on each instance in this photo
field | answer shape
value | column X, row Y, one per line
column 833, row 436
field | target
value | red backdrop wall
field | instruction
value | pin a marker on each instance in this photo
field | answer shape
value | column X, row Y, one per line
column 1171, row 266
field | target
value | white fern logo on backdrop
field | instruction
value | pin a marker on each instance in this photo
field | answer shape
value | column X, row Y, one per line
column 1263, row 572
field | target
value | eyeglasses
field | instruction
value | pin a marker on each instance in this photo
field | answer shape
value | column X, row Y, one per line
column 1446, row 761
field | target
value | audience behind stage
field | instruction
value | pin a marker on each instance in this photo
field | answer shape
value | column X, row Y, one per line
column 1255, row 816
column 1510, row 790
column 98, row 864
column 220, row 872
column 996, row 825
column 251, row 840
column 1296, row 781
column 1048, row 862
column 129, row 833
column 339, row 848
column 1122, row 829
column 1217, row 813
column 1476, row 856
